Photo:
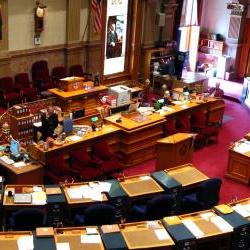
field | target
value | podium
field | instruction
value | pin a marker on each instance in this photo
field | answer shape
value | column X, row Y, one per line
column 174, row 150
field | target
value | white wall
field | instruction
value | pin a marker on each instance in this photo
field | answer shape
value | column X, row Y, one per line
column 216, row 17
column 21, row 24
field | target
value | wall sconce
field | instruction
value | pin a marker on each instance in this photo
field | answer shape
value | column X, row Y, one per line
column 39, row 17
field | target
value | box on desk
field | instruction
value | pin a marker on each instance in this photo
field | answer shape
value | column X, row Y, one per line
column 121, row 93
column 71, row 83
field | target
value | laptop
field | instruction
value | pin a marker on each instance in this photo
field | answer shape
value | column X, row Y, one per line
column 22, row 198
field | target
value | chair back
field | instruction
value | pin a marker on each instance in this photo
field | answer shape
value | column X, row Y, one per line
column 40, row 71
column 99, row 214
column 7, row 84
column 170, row 128
column 198, row 118
column 58, row 73
column 80, row 156
column 57, row 165
column 76, row 70
column 159, row 206
column 183, row 124
column 22, row 79
column 102, row 150
column 208, row 193
column 28, row 219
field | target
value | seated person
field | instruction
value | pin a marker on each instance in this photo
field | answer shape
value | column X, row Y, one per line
column 167, row 98
column 216, row 91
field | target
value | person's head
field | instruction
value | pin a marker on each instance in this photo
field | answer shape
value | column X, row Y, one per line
column 112, row 26
column 217, row 85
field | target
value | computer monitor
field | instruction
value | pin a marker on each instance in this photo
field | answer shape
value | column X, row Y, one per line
column 67, row 125
column 14, row 147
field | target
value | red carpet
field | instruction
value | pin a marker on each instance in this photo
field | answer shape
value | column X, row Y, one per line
column 212, row 160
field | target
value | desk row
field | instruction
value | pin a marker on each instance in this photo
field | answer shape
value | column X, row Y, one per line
column 221, row 228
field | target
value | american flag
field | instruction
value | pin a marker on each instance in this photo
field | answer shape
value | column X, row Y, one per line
column 97, row 11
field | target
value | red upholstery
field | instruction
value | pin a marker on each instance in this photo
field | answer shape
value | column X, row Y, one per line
column 200, row 126
column 87, row 168
column 183, row 124
column 26, row 87
column 58, row 170
column 169, row 128
column 110, row 164
column 40, row 75
column 9, row 93
column 76, row 70
column 58, row 73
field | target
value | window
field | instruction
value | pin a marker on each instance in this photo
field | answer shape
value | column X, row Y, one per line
column 116, row 37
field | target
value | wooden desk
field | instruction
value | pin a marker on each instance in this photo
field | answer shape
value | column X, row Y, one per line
column 143, row 185
column 8, row 240
column 141, row 235
column 174, row 150
column 210, row 229
column 67, row 188
column 78, row 238
column 73, row 100
column 109, row 132
column 187, row 175
column 32, row 172
column 138, row 139
column 8, row 202
column 238, row 167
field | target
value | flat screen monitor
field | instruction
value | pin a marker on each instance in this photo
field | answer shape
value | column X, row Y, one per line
column 14, row 147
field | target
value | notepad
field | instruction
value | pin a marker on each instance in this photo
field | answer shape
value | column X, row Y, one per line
column 161, row 234
column 62, row 246
column 225, row 209
column 221, row 224
column 91, row 239
column 240, row 209
column 172, row 220
column 195, row 230
column 39, row 198
column 25, row 243
column 91, row 230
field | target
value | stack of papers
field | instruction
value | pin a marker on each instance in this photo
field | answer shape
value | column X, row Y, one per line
column 39, row 198
column 242, row 147
column 243, row 210
column 6, row 159
column 25, row 243
column 221, row 224
column 62, row 246
column 195, row 230
column 91, row 239
column 162, row 234
column 19, row 164
column 92, row 191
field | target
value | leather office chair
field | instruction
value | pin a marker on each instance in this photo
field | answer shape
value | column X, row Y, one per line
column 25, row 86
column 183, row 124
column 156, row 208
column 59, row 172
column 40, row 75
column 87, row 168
column 206, row 196
column 169, row 128
column 200, row 126
column 9, row 93
column 77, row 70
column 58, row 73
column 109, row 160
column 27, row 219
column 97, row 214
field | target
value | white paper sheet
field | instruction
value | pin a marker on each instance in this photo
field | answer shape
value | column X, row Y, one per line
column 74, row 193
column 74, row 138
column 161, row 234
column 242, row 147
column 221, row 224
column 6, row 159
column 242, row 210
column 145, row 178
column 91, row 230
column 19, row 164
column 96, row 195
column 91, row 239
column 104, row 186
column 206, row 216
column 195, row 230
column 184, row 106
column 62, row 246
column 165, row 108
column 37, row 189
column 25, row 243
